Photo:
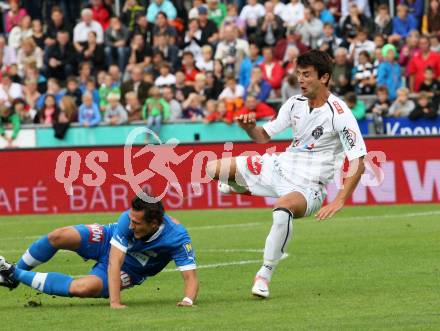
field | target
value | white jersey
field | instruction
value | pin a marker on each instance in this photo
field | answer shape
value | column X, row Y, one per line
column 320, row 136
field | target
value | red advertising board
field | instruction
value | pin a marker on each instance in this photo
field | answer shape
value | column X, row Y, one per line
column 97, row 179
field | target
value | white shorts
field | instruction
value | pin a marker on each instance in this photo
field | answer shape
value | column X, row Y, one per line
column 263, row 178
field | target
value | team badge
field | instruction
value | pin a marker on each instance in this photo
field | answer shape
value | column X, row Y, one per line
column 254, row 164
column 318, row 132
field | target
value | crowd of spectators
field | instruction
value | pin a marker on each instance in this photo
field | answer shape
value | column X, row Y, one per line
column 161, row 60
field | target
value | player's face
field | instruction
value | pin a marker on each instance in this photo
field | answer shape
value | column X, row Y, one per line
column 309, row 82
column 139, row 226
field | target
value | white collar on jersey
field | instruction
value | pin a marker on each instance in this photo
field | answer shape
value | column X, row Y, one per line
column 157, row 234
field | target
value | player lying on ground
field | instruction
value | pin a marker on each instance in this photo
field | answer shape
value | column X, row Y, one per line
column 139, row 245
column 323, row 128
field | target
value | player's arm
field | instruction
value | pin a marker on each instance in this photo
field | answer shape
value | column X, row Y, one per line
column 263, row 134
column 356, row 169
column 255, row 132
column 191, row 287
column 116, row 260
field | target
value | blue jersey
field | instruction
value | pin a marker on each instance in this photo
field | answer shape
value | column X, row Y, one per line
column 146, row 258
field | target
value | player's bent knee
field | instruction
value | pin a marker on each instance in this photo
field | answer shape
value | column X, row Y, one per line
column 86, row 288
column 65, row 238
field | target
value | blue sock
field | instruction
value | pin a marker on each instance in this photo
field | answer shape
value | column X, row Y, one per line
column 39, row 252
column 50, row 283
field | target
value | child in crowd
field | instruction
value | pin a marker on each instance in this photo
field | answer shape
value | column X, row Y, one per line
column 48, row 114
column 379, row 109
column 132, row 106
column 73, row 90
column 89, row 114
column 402, row 106
column 424, row 108
column 363, row 74
column 155, row 110
column 357, row 106
column 115, row 114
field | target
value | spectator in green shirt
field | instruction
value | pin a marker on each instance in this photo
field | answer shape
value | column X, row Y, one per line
column 216, row 11
column 156, row 109
column 9, row 119
column 357, row 106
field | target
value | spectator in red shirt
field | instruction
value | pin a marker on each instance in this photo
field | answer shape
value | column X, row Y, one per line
column 101, row 13
column 253, row 105
column 272, row 70
column 417, row 65
column 188, row 67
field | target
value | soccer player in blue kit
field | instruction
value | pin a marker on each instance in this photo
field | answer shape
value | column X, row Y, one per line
column 138, row 246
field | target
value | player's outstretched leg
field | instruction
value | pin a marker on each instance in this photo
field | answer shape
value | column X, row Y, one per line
column 287, row 207
column 45, row 248
column 52, row 283
column 225, row 171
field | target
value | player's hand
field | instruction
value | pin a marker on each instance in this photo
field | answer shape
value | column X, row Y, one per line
column 117, row 306
column 185, row 304
column 329, row 210
column 247, row 121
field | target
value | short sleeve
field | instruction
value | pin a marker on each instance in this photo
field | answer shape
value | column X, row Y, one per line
column 348, row 131
column 282, row 121
column 183, row 256
column 121, row 232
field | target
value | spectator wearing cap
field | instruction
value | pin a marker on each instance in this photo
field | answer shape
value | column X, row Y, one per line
column 403, row 23
column 194, row 11
column 14, row 15
column 114, row 113
column 423, row 59
column 82, row 29
column 269, row 27
column 115, row 41
column 60, row 58
column 101, row 13
column 207, row 27
column 164, row 6
column 216, row 11
column 56, row 23
column 389, row 73
column 232, row 50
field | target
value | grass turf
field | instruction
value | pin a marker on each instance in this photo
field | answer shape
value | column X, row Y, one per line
column 369, row 268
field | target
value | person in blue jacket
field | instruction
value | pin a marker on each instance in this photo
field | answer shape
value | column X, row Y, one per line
column 389, row 73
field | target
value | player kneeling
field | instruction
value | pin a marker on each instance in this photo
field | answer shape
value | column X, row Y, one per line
column 138, row 246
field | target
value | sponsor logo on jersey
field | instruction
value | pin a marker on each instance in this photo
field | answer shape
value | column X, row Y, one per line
column 254, row 164
column 125, row 280
column 189, row 250
column 349, row 136
column 338, row 107
column 318, row 132
column 96, row 233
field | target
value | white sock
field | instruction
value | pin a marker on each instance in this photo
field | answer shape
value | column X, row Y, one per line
column 276, row 242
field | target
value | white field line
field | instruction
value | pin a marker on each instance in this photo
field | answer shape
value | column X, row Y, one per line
column 206, row 266
column 244, row 225
column 215, row 250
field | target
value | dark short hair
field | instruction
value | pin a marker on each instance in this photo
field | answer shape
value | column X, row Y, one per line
column 383, row 89
column 153, row 211
column 320, row 60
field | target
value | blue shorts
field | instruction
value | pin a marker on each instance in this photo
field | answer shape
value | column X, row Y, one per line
column 95, row 245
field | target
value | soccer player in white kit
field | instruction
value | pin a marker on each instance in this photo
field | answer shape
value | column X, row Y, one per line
column 323, row 129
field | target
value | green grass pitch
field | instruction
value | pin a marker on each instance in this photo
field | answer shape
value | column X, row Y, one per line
column 369, row 268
